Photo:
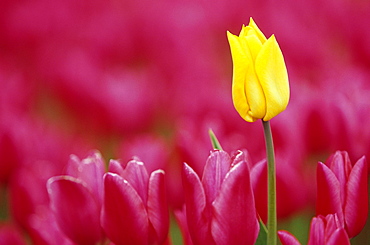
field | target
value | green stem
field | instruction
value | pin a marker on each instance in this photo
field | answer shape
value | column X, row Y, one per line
column 215, row 143
column 271, row 173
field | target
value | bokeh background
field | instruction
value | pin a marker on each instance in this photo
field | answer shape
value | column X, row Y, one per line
column 149, row 78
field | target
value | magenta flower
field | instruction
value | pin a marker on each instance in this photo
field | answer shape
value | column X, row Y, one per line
column 342, row 189
column 135, row 206
column 326, row 230
column 76, row 199
column 45, row 230
column 220, row 208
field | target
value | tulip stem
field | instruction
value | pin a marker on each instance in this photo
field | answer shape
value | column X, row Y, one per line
column 271, row 175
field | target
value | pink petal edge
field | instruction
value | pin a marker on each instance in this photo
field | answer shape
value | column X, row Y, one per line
column 124, row 217
column 157, row 205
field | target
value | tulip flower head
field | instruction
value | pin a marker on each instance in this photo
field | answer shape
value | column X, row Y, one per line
column 260, row 87
column 325, row 230
column 220, row 208
column 342, row 189
column 76, row 199
column 135, row 206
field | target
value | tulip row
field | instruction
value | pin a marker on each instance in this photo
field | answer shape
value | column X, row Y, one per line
column 127, row 205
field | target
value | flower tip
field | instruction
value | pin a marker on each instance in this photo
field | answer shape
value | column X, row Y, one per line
column 110, row 176
column 159, row 171
column 186, row 167
column 49, row 184
column 230, row 36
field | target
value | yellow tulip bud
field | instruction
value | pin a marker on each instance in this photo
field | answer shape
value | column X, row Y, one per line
column 260, row 87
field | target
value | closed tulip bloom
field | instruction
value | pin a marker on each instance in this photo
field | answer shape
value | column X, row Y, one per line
column 325, row 230
column 135, row 209
column 342, row 189
column 76, row 199
column 260, row 87
column 220, row 207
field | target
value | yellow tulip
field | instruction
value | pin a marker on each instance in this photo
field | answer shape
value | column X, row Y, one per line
column 260, row 87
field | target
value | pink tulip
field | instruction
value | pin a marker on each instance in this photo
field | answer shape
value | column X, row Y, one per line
column 76, row 199
column 220, row 208
column 287, row 238
column 44, row 229
column 135, row 206
column 326, row 230
column 157, row 155
column 342, row 189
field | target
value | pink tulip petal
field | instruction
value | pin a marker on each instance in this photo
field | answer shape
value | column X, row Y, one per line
column 356, row 205
column 341, row 166
column 317, row 231
column 137, row 175
column 328, row 193
column 234, row 215
column 124, row 217
column 332, row 223
column 338, row 237
column 240, row 156
column 76, row 210
column 157, row 206
column 286, row 238
column 90, row 170
column 215, row 170
column 45, row 230
column 115, row 167
column 195, row 201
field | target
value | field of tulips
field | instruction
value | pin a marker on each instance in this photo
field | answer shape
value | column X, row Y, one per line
column 106, row 108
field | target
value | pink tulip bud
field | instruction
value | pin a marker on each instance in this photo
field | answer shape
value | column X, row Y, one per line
column 135, row 206
column 286, row 238
column 342, row 189
column 76, row 199
column 220, row 208
column 325, row 230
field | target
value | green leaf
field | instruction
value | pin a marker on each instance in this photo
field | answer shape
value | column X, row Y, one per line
column 215, row 143
column 262, row 235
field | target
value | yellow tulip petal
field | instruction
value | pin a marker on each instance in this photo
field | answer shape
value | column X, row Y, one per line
column 259, row 33
column 239, row 73
column 253, row 90
column 248, row 96
column 242, row 31
column 253, row 44
column 272, row 74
